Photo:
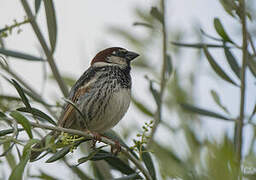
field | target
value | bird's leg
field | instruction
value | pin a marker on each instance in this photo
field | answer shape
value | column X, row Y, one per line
column 116, row 148
column 96, row 137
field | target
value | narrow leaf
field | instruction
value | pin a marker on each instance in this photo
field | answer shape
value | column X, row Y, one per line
column 37, row 5
column 217, row 100
column 217, row 68
column 10, row 98
column 51, row 22
column 197, row 45
column 79, row 172
column 39, row 113
column 232, row 62
column 2, row 114
column 168, row 68
column 17, row 173
column 148, row 162
column 23, row 121
column 155, row 93
column 156, row 14
column 142, row 24
column 220, row 30
column 253, row 113
column 9, row 156
column 20, row 55
column 203, row 112
column 90, row 156
column 129, row 177
column 114, row 162
column 8, row 131
column 21, row 93
column 252, row 65
column 59, row 154
column 44, row 176
column 142, row 107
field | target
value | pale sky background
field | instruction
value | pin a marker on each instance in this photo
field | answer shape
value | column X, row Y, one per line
column 82, row 28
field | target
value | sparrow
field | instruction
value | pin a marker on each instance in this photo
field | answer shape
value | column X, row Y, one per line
column 102, row 94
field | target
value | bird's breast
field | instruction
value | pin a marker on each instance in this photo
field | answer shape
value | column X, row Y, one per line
column 116, row 108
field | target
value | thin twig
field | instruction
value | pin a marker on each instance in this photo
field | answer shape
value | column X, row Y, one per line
column 163, row 76
column 239, row 139
column 50, row 59
column 136, row 162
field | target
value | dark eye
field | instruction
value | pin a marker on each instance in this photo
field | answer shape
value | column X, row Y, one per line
column 120, row 53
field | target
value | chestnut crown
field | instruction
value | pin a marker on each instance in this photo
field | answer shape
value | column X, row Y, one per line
column 115, row 56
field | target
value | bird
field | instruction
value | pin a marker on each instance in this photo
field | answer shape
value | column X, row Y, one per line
column 102, row 94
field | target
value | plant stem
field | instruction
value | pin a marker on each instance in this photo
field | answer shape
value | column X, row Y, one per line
column 163, row 77
column 105, row 140
column 239, row 138
column 46, row 50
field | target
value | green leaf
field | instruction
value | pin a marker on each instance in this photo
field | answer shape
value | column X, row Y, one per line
column 232, row 62
column 114, row 162
column 78, row 172
column 217, row 68
column 168, row 68
column 129, row 177
column 9, row 156
column 20, row 55
column 252, row 65
column 44, row 176
column 90, row 156
column 142, row 24
column 10, row 98
column 197, row 45
column 253, row 112
column 2, row 114
column 220, row 30
column 59, row 154
column 39, row 113
column 155, row 93
column 51, row 23
column 21, row 93
column 23, row 121
column 142, row 107
column 8, row 131
column 19, row 169
column 17, row 173
column 217, row 100
column 37, row 5
column 148, row 162
column 156, row 14
column 203, row 112
column 229, row 6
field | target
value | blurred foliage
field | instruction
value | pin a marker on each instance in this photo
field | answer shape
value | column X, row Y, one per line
column 184, row 152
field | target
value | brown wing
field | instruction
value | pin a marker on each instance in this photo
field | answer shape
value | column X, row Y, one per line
column 68, row 116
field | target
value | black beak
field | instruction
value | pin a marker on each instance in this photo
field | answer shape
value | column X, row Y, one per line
column 131, row 55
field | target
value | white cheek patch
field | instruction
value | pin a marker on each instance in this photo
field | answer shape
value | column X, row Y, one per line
column 117, row 60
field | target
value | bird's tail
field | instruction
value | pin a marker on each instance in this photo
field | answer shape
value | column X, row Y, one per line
column 35, row 153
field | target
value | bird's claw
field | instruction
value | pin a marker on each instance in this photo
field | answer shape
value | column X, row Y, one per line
column 116, row 148
column 96, row 137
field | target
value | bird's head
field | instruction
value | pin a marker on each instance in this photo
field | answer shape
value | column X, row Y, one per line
column 114, row 56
